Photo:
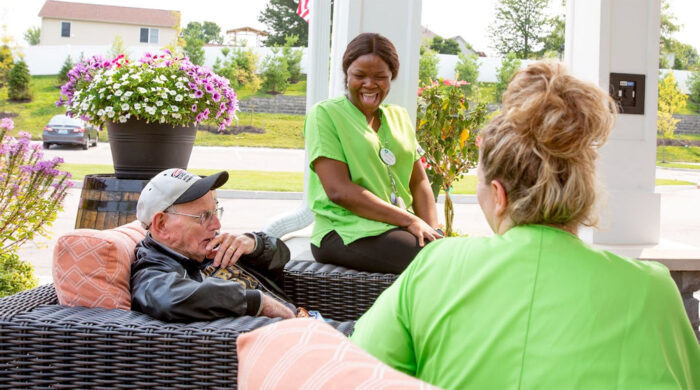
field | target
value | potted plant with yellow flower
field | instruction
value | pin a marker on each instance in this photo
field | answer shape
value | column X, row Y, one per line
column 447, row 130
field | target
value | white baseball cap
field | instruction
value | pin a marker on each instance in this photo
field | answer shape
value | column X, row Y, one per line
column 174, row 186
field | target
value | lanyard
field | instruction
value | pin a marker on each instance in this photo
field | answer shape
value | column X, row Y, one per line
column 389, row 160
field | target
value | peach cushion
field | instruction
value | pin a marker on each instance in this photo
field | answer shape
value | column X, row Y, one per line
column 306, row 353
column 92, row 268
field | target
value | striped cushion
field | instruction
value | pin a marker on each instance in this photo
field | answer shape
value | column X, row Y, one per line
column 91, row 268
column 310, row 354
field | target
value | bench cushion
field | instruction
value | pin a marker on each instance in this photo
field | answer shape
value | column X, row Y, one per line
column 91, row 268
column 308, row 353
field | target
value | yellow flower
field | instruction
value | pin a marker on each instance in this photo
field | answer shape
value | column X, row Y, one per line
column 463, row 137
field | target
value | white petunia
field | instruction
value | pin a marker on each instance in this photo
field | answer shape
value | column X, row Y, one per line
column 128, row 93
column 110, row 114
column 176, row 115
column 137, row 106
column 174, row 108
column 125, row 107
column 164, row 95
column 159, row 103
column 178, row 98
column 122, row 119
column 164, row 111
column 100, row 112
column 142, row 90
column 118, row 92
column 116, row 86
column 109, row 109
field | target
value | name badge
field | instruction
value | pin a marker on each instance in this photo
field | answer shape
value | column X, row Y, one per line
column 387, row 156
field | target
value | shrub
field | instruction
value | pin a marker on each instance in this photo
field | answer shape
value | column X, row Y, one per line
column 31, row 194
column 275, row 73
column 694, row 86
column 239, row 66
column 509, row 66
column 15, row 275
column 6, row 63
column 467, row 69
column 63, row 73
column 194, row 49
column 447, row 131
column 293, row 57
column 18, row 83
column 427, row 66
column 671, row 101
column 31, row 189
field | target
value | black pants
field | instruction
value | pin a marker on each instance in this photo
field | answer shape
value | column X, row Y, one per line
column 389, row 252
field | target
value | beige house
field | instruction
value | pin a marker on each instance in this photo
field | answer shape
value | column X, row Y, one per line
column 65, row 23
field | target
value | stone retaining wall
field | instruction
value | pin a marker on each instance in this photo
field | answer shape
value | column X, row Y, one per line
column 689, row 124
column 279, row 104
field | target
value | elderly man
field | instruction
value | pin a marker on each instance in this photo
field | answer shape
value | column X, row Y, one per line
column 185, row 270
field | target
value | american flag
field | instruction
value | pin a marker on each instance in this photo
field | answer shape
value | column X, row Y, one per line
column 303, row 10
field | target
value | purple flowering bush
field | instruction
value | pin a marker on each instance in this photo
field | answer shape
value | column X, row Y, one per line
column 31, row 189
column 158, row 88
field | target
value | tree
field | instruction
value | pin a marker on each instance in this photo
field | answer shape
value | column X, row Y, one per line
column 467, row 69
column 293, row 57
column 118, row 48
column 444, row 46
column 281, row 19
column 671, row 100
column 6, row 63
column 694, row 86
column 207, row 32
column 427, row 66
column 32, row 35
column 519, row 27
column 554, row 41
column 509, row 66
column 18, row 83
column 63, row 73
column 194, row 49
column 275, row 73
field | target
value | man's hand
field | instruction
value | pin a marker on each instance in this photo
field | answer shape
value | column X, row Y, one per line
column 231, row 248
column 274, row 308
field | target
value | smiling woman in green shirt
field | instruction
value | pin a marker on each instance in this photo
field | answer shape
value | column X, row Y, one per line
column 374, row 209
column 533, row 307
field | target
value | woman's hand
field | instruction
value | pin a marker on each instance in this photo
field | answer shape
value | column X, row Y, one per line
column 423, row 231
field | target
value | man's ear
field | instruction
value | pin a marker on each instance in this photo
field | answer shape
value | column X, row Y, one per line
column 158, row 225
column 500, row 197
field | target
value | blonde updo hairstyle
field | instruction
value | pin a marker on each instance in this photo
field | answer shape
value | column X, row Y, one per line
column 543, row 145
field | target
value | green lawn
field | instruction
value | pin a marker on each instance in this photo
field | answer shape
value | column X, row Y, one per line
column 281, row 181
column 677, row 165
column 281, row 131
column 298, row 89
column 691, row 108
column 679, row 154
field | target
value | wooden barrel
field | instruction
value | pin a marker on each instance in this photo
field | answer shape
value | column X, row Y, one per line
column 107, row 202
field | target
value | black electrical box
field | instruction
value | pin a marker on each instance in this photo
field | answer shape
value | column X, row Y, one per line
column 628, row 91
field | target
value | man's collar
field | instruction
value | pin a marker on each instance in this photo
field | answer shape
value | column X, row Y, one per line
column 170, row 251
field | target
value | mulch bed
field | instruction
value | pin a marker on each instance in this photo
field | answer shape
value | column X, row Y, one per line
column 676, row 142
column 232, row 130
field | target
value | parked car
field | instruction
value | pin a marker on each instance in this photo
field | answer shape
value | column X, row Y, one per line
column 64, row 130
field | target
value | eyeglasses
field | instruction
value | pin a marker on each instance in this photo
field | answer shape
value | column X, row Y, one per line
column 205, row 217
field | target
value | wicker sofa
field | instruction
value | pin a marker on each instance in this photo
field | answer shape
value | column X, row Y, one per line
column 47, row 345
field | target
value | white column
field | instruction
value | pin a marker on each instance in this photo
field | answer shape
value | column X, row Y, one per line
column 316, row 91
column 621, row 36
column 398, row 20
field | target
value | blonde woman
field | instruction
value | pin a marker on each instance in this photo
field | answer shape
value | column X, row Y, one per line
column 533, row 307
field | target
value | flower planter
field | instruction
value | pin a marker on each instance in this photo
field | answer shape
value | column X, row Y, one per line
column 140, row 150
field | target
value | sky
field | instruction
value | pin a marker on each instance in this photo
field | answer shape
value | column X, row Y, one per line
column 447, row 18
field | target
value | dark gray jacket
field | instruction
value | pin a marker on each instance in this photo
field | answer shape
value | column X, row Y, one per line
column 171, row 287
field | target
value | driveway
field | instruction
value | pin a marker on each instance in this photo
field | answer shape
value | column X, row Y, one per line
column 262, row 159
column 211, row 157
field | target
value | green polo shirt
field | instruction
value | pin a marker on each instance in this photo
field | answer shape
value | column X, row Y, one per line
column 336, row 129
column 535, row 308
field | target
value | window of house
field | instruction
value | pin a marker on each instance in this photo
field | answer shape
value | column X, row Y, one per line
column 148, row 35
column 65, row 29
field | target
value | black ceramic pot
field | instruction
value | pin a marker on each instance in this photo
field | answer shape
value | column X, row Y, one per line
column 140, row 150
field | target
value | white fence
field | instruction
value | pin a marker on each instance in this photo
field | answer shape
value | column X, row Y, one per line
column 47, row 60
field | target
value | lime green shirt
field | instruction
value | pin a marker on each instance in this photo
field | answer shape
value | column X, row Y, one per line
column 535, row 308
column 336, row 129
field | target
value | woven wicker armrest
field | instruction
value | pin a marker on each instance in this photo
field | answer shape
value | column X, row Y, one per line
column 339, row 293
column 27, row 300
